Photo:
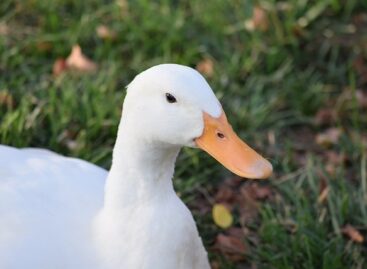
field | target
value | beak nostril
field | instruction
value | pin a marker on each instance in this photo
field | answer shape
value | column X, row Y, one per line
column 220, row 135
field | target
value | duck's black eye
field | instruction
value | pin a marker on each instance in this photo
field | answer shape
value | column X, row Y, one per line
column 220, row 135
column 170, row 98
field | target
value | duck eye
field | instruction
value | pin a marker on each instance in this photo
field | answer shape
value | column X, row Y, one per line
column 170, row 98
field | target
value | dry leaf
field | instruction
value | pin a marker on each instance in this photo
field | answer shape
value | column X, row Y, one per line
column 59, row 67
column 77, row 60
column 259, row 20
column 271, row 138
column 352, row 233
column 106, row 33
column 4, row 29
column 325, row 116
column 329, row 137
column 232, row 247
column 222, row 216
column 6, row 99
column 206, row 67
column 361, row 98
column 323, row 195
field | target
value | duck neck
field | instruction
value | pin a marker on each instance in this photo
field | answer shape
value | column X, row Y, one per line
column 141, row 170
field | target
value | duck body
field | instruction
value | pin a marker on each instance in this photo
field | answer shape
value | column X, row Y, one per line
column 49, row 229
column 58, row 212
column 47, row 203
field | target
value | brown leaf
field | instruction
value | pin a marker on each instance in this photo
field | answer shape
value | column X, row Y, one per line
column 323, row 195
column 206, row 67
column 352, row 233
column 106, row 33
column 78, row 61
column 361, row 98
column 59, row 67
column 325, row 116
column 271, row 137
column 329, row 137
column 259, row 20
column 6, row 99
column 4, row 29
column 232, row 247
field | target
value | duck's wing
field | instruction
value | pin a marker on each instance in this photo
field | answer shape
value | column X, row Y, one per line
column 47, row 203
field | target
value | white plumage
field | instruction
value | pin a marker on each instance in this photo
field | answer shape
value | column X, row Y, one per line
column 58, row 212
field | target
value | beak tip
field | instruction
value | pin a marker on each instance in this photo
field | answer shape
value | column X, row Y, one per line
column 267, row 170
column 262, row 169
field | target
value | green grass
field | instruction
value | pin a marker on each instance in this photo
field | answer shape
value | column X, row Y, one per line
column 271, row 82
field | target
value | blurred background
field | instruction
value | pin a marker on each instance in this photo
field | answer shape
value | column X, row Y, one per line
column 291, row 75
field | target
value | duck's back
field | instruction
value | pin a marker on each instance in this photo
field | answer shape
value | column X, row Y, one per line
column 47, row 203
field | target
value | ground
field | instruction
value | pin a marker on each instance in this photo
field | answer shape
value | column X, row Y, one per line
column 291, row 75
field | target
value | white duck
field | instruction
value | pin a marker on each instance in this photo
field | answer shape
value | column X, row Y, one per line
column 58, row 212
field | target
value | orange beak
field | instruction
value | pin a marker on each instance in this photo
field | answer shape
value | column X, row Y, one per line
column 221, row 142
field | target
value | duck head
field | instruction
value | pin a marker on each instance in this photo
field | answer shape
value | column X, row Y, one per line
column 173, row 105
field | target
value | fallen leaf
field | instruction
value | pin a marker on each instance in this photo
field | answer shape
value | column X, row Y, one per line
column 259, row 20
column 271, row 138
column 105, row 32
column 6, row 99
column 352, row 233
column 361, row 98
column 78, row 61
column 206, row 67
column 329, row 137
column 222, row 216
column 232, row 247
column 4, row 29
column 59, row 67
column 325, row 116
column 323, row 195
